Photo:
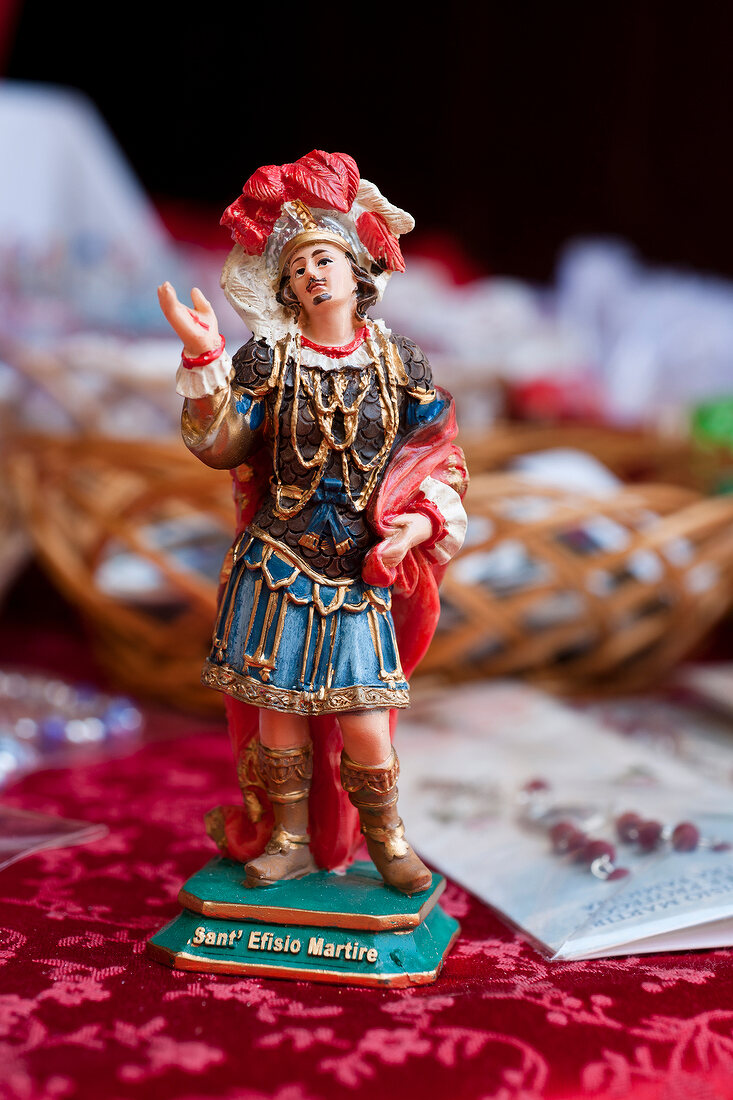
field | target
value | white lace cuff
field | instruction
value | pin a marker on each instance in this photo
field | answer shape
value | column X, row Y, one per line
column 449, row 504
column 204, row 381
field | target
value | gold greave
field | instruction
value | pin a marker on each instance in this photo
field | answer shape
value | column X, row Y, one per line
column 286, row 773
column 286, row 776
column 372, row 789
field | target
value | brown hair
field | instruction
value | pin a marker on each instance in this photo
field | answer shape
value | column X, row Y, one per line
column 365, row 291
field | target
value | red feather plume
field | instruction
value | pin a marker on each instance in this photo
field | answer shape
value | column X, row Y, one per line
column 266, row 185
column 380, row 241
column 352, row 176
column 319, row 179
column 250, row 224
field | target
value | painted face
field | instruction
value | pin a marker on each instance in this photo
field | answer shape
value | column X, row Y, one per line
column 320, row 274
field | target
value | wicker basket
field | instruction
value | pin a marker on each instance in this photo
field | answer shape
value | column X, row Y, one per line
column 88, row 498
column 633, row 455
column 583, row 593
column 577, row 617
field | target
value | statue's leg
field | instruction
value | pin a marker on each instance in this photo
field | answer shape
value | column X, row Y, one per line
column 369, row 771
column 285, row 759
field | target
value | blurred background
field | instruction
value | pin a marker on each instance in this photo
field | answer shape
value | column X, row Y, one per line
column 570, row 277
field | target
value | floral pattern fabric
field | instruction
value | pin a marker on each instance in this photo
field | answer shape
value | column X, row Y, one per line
column 85, row 1014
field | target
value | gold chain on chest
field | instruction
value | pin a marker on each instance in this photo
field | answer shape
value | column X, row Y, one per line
column 385, row 368
column 324, row 410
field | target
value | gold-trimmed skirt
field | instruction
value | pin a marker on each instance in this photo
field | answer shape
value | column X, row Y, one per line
column 287, row 641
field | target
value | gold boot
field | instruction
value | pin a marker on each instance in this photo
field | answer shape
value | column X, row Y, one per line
column 373, row 790
column 286, row 775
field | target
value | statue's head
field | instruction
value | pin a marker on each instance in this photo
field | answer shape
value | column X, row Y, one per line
column 302, row 224
column 324, row 276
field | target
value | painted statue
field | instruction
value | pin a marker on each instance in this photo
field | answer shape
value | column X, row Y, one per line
column 348, row 487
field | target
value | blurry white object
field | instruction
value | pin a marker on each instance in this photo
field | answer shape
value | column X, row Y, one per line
column 567, row 468
column 499, row 324
column 93, row 382
column 490, row 329
column 80, row 242
column 195, row 543
column 81, row 252
column 63, row 174
column 23, row 833
column 660, row 339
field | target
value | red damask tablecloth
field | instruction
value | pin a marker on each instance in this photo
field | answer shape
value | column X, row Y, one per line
column 84, row 1013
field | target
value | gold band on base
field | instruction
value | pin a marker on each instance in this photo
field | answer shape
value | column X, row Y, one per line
column 323, row 701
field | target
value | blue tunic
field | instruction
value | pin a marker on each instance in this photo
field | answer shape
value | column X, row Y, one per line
column 285, row 640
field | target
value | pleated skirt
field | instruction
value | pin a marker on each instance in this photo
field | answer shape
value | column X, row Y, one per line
column 288, row 640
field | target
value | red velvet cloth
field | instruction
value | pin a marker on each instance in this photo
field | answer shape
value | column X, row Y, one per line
column 85, row 1014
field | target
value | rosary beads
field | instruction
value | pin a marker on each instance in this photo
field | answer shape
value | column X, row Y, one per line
column 567, row 838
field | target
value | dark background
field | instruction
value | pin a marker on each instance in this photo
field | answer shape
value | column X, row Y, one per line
column 511, row 128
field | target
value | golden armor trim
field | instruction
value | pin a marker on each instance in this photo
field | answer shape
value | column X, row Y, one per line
column 320, row 636
column 423, row 397
column 292, row 558
column 238, row 549
column 221, row 637
column 392, row 837
column 379, row 778
column 390, row 376
column 332, row 642
column 325, row 411
column 289, row 798
column 279, row 766
column 307, row 645
column 272, row 584
column 384, row 674
column 282, row 841
column 308, row 703
column 334, row 605
column 381, row 603
column 397, row 367
column 255, row 601
column 259, row 659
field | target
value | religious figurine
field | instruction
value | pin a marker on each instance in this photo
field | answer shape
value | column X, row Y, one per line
column 349, row 489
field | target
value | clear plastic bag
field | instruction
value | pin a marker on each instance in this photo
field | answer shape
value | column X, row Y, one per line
column 22, row 833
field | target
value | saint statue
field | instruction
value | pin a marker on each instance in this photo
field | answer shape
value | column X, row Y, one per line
column 348, row 487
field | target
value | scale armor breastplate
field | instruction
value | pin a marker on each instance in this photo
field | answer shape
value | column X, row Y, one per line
column 330, row 432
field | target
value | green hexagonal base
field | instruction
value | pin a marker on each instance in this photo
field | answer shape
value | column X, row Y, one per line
column 346, row 928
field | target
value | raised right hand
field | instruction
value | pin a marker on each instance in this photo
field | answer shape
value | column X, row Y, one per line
column 198, row 328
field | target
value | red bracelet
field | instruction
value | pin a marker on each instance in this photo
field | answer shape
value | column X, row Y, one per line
column 207, row 357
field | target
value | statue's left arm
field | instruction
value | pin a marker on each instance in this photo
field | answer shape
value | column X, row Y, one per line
column 436, row 497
